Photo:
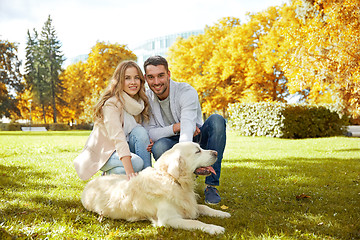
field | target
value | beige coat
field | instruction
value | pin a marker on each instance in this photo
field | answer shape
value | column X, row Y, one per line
column 105, row 138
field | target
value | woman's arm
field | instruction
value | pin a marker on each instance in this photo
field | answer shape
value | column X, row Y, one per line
column 126, row 160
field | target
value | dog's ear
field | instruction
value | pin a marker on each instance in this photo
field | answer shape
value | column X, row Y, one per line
column 174, row 165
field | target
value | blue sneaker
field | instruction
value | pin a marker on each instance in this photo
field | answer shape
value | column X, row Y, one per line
column 212, row 195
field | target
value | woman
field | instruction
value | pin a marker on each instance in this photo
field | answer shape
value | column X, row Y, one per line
column 118, row 142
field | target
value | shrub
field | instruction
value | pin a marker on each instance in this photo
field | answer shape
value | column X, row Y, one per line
column 59, row 127
column 83, row 126
column 285, row 120
column 10, row 126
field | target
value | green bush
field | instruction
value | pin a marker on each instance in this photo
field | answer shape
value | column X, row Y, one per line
column 83, row 126
column 59, row 127
column 285, row 120
column 10, row 126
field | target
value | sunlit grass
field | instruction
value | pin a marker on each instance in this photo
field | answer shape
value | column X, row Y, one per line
column 262, row 182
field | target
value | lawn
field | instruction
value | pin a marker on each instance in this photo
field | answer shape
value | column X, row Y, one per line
column 274, row 189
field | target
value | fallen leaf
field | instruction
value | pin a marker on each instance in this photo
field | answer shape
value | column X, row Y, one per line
column 224, row 207
column 302, row 196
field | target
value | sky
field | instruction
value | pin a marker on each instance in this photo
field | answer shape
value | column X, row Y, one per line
column 79, row 24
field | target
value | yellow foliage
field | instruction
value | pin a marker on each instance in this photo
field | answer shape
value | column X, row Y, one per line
column 324, row 62
column 86, row 81
column 307, row 47
column 229, row 64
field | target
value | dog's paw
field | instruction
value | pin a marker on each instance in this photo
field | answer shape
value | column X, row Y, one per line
column 214, row 229
column 224, row 215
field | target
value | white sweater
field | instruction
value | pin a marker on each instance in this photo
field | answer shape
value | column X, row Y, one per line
column 185, row 108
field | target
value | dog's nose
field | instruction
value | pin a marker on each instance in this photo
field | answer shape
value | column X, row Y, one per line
column 214, row 153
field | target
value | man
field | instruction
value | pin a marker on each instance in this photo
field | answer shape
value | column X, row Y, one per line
column 177, row 117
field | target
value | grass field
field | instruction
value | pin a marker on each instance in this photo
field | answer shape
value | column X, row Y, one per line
column 274, row 189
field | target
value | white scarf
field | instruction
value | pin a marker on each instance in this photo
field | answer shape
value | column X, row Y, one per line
column 132, row 108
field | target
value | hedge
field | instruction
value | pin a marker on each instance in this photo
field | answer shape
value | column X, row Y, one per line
column 285, row 120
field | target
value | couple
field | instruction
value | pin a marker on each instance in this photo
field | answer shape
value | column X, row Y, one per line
column 120, row 143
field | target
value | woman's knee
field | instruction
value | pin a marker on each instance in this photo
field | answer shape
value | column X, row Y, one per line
column 116, row 170
column 140, row 134
column 137, row 163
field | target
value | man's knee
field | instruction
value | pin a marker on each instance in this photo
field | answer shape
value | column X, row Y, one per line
column 159, row 148
column 218, row 122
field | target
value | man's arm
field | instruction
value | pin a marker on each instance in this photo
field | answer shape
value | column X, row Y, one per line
column 190, row 107
column 156, row 131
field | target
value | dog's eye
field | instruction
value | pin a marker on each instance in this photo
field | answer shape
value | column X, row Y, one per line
column 198, row 151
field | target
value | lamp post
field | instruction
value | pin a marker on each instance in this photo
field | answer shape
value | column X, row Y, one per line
column 30, row 114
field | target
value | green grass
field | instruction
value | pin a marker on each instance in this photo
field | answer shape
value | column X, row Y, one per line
column 261, row 179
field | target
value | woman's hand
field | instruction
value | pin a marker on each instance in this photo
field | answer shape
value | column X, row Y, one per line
column 130, row 173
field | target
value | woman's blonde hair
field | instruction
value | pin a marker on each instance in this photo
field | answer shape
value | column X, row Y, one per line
column 116, row 87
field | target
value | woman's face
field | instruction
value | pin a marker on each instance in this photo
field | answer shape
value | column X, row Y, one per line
column 132, row 81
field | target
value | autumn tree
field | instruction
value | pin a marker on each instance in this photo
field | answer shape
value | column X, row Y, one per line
column 325, row 52
column 189, row 60
column 229, row 63
column 77, row 88
column 245, row 70
column 86, row 81
column 10, row 79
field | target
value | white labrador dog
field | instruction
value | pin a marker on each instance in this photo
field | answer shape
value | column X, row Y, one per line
column 163, row 194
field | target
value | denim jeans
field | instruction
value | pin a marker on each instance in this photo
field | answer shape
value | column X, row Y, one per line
column 140, row 157
column 212, row 137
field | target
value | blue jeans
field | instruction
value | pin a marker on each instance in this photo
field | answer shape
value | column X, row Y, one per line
column 140, row 157
column 212, row 137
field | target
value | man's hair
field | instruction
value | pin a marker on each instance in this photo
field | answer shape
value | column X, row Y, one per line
column 156, row 60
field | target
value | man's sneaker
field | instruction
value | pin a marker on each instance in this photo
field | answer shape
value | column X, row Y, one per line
column 212, row 195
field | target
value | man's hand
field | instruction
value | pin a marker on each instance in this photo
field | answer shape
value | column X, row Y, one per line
column 176, row 129
column 149, row 147
column 197, row 131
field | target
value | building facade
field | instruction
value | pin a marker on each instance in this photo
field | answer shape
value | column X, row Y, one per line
column 159, row 45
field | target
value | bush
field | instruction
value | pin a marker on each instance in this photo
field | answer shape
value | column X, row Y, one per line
column 83, row 126
column 285, row 120
column 10, row 126
column 59, row 127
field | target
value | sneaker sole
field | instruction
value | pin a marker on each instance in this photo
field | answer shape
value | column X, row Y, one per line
column 210, row 203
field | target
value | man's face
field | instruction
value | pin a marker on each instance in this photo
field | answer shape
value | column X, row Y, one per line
column 158, row 80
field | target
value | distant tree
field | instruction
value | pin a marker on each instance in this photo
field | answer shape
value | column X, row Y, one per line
column 10, row 79
column 35, row 81
column 43, row 67
column 77, row 89
column 53, row 60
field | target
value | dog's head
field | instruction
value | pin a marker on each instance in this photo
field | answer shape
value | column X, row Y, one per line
column 184, row 158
